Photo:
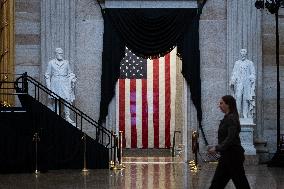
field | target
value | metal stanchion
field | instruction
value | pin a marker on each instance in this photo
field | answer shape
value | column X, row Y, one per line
column 113, row 164
column 195, row 148
column 36, row 139
column 84, row 170
column 117, row 153
column 120, row 165
column 112, row 154
column 195, row 145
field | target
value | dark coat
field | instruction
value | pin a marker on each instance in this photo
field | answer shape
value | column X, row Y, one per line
column 228, row 133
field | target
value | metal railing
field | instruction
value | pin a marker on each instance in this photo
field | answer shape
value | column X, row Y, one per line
column 26, row 85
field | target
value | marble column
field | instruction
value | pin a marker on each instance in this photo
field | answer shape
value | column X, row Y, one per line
column 244, row 31
column 57, row 30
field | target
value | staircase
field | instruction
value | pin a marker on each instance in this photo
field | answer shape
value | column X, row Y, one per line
column 34, row 137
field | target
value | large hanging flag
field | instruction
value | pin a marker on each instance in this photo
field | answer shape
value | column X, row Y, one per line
column 146, row 100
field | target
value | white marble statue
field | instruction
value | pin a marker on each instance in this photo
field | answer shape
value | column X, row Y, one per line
column 60, row 79
column 243, row 85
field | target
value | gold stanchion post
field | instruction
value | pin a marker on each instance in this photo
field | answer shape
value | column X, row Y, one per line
column 84, row 138
column 118, row 153
column 36, row 139
column 195, row 147
column 114, row 164
column 120, row 166
column 112, row 154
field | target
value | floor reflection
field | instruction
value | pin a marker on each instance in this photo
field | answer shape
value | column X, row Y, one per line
column 165, row 173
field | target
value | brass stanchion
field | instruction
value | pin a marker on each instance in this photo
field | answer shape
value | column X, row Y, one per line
column 36, row 139
column 193, row 164
column 120, row 165
column 117, row 153
column 112, row 154
column 84, row 170
column 195, row 145
column 113, row 164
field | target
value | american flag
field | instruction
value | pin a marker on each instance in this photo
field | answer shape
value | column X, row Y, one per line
column 146, row 100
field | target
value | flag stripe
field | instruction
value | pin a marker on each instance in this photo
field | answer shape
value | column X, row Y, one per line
column 133, row 113
column 167, row 101
column 127, row 114
column 122, row 108
column 162, row 108
column 156, row 102
column 173, row 75
column 139, row 112
column 144, row 114
column 150, row 103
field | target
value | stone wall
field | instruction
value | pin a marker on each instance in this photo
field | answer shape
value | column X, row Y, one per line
column 27, row 37
column 269, row 77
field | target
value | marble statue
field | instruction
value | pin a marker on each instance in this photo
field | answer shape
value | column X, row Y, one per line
column 243, row 85
column 60, row 79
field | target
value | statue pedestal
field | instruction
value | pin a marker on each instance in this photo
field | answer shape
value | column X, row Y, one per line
column 262, row 150
column 246, row 136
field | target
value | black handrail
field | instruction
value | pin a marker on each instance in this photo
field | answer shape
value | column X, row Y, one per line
column 101, row 131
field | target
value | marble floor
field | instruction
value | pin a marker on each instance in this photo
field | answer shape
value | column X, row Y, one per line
column 155, row 172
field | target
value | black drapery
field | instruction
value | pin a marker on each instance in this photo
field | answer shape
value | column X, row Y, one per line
column 60, row 145
column 150, row 33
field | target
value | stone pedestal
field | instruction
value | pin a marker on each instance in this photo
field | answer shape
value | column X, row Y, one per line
column 246, row 136
column 262, row 150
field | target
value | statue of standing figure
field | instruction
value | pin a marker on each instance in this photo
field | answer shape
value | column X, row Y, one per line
column 243, row 85
column 60, row 80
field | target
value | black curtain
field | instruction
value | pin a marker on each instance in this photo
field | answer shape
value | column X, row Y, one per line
column 150, row 33
column 60, row 145
column 113, row 52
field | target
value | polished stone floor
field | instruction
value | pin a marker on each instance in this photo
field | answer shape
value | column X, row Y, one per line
column 143, row 173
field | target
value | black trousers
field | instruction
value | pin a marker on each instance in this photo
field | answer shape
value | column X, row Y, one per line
column 230, row 166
